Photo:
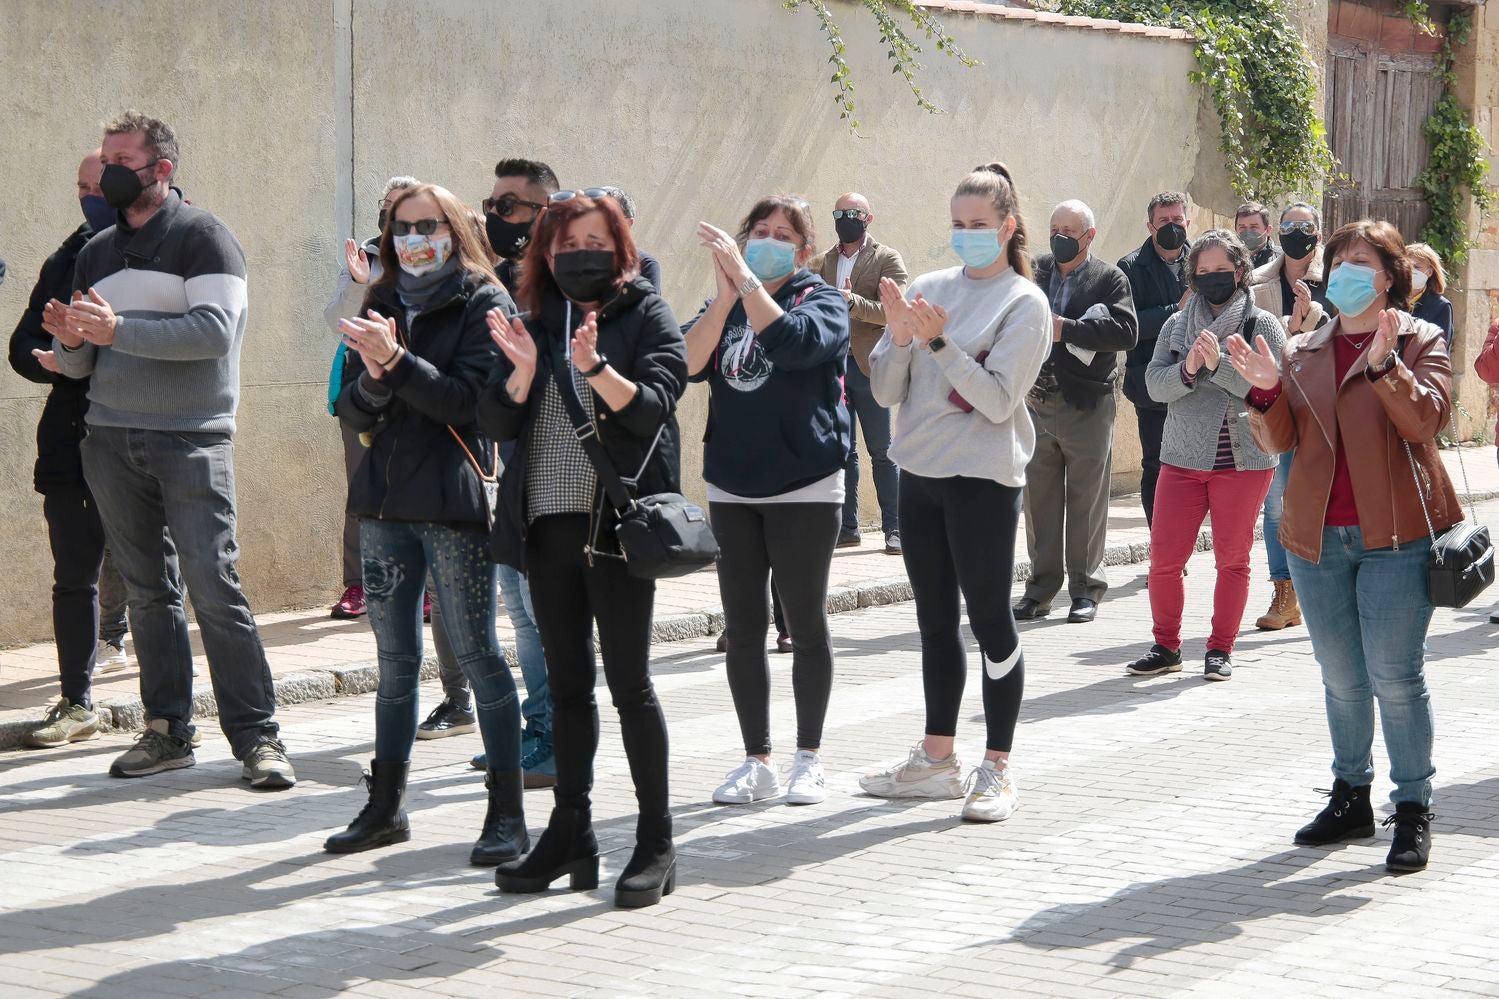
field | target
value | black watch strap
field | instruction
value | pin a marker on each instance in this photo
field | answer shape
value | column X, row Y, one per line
column 603, row 363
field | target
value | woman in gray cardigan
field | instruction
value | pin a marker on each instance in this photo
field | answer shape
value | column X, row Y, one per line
column 1209, row 461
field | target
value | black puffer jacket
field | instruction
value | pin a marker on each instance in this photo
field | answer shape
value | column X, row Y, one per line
column 414, row 470
column 640, row 337
column 61, row 427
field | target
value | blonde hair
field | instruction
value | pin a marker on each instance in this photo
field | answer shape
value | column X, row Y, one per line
column 1421, row 253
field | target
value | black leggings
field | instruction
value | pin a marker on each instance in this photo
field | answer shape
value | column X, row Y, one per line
column 796, row 541
column 959, row 533
column 568, row 596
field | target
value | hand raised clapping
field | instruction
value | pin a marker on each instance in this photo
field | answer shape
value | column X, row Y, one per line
column 726, row 256
column 514, row 341
column 356, row 261
column 585, row 343
column 1256, row 365
column 898, row 315
column 374, row 339
column 1205, row 353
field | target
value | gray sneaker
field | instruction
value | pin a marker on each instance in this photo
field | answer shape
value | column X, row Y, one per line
column 267, row 768
column 153, row 752
column 65, row 722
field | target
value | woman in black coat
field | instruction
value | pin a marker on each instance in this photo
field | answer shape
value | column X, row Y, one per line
column 604, row 337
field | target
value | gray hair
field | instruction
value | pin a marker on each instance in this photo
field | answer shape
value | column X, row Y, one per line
column 1227, row 241
column 626, row 203
column 1316, row 215
column 1079, row 209
column 399, row 183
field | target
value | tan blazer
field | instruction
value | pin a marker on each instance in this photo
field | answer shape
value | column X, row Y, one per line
column 866, row 315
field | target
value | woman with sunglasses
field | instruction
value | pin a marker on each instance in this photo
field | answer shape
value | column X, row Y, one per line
column 607, row 347
column 417, row 362
column 771, row 346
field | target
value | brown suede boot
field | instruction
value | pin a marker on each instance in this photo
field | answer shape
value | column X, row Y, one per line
column 1284, row 610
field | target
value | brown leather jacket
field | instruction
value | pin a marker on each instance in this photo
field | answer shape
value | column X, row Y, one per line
column 1372, row 417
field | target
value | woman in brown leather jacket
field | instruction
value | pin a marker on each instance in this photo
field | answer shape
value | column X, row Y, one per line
column 1362, row 401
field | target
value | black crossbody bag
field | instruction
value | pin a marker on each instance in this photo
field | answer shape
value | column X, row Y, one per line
column 1461, row 563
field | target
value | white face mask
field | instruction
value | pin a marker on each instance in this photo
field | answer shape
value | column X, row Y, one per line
column 420, row 254
column 1418, row 280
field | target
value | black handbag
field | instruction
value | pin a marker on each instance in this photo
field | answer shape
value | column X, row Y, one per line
column 1461, row 563
column 662, row 535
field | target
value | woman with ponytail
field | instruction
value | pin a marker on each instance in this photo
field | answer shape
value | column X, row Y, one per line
column 961, row 350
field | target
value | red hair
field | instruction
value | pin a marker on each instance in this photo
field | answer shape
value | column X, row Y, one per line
column 536, row 275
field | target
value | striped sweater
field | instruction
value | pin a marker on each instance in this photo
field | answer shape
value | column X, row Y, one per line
column 178, row 285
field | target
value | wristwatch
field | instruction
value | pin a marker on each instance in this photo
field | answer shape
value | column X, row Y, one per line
column 603, row 363
column 936, row 343
column 749, row 287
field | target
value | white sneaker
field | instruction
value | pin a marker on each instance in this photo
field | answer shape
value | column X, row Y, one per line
column 752, row 781
column 919, row 776
column 992, row 794
column 110, row 658
column 807, row 784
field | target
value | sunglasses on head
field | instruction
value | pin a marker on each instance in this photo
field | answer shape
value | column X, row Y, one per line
column 506, row 204
column 422, row 227
column 1286, row 228
column 849, row 213
column 589, row 192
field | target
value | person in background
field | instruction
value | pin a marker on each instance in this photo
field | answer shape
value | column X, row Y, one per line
column 1210, row 464
column 958, row 359
column 1291, row 287
column 1252, row 225
column 1072, row 407
column 517, row 199
column 1486, row 366
column 1362, row 399
column 855, row 266
column 1428, row 287
column 650, row 267
column 772, row 346
column 88, row 596
column 1158, row 285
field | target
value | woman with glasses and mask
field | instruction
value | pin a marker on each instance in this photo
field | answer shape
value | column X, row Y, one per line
column 606, row 347
column 771, row 346
column 1428, row 283
column 1362, row 400
column 1210, row 463
column 418, row 359
column 1291, row 287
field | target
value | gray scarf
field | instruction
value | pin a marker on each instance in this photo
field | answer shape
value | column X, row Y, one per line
column 417, row 293
column 1199, row 316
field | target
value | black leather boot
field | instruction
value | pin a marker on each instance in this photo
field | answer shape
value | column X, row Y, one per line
column 504, row 836
column 1348, row 815
column 1411, row 848
column 382, row 821
column 567, row 847
column 652, row 870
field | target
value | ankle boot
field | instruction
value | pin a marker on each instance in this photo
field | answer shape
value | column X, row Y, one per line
column 566, row 847
column 1285, row 610
column 504, row 835
column 1348, row 815
column 652, row 870
column 1411, row 848
column 382, row 821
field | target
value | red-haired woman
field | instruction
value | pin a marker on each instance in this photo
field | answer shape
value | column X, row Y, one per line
column 605, row 338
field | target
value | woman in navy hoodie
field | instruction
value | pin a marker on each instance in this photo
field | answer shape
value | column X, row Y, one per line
column 771, row 346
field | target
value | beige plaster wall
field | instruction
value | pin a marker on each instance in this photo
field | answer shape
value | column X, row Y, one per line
column 695, row 106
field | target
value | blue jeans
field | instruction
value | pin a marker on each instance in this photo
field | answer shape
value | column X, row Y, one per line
column 1275, row 504
column 515, row 592
column 397, row 558
column 1367, row 613
column 154, row 489
column 862, row 408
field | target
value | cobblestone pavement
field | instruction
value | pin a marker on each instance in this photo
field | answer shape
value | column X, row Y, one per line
column 1151, row 854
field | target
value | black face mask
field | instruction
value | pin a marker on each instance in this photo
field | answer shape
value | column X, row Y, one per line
column 1298, row 244
column 584, row 275
column 121, row 186
column 1217, row 287
column 850, row 230
column 1064, row 249
column 1171, row 236
column 508, row 239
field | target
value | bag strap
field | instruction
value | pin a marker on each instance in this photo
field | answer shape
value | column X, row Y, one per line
column 1431, row 531
column 494, row 463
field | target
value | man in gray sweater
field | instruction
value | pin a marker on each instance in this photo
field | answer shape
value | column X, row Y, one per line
column 157, row 321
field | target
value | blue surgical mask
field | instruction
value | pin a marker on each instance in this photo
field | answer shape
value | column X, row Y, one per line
column 1351, row 288
column 96, row 212
column 978, row 248
column 770, row 259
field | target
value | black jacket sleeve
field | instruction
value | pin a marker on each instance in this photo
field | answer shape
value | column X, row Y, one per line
column 1119, row 330
column 450, row 397
column 650, row 269
column 659, row 370
column 29, row 335
column 1150, row 320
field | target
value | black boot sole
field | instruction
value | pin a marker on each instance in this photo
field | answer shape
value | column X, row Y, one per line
column 388, row 839
column 642, row 897
column 477, row 859
column 582, row 874
column 1363, row 832
column 1395, row 868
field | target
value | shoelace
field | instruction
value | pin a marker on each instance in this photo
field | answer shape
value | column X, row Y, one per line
column 153, row 741
column 1338, row 807
column 1396, row 817
column 993, row 780
column 265, row 749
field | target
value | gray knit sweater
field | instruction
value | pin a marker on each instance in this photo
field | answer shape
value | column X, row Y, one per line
column 1196, row 412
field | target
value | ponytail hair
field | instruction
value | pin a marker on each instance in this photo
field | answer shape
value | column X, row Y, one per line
column 993, row 181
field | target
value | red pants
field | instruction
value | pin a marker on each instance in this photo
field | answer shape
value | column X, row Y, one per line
column 1183, row 499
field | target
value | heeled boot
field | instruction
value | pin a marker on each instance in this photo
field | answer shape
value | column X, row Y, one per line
column 566, row 847
column 504, row 834
column 382, row 821
column 652, row 870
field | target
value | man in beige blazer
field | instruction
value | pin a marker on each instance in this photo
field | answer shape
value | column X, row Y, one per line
column 855, row 266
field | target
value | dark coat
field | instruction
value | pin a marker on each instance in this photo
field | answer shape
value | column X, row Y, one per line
column 1156, row 291
column 414, row 470
column 1437, row 310
column 1095, row 282
column 62, row 427
column 641, row 340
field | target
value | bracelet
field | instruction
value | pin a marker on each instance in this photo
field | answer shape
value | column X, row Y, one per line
column 391, row 359
column 603, row 363
column 750, row 287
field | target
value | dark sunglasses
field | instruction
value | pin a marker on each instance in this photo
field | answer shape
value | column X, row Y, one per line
column 849, row 213
column 589, row 192
column 422, row 227
column 1309, row 228
column 506, row 204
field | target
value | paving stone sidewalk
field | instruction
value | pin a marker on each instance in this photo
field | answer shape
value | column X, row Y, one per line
column 1151, row 855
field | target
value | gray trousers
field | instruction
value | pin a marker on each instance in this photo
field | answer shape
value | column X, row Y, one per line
column 353, row 565
column 1067, row 497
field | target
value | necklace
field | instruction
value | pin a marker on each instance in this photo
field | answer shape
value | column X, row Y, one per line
column 1360, row 344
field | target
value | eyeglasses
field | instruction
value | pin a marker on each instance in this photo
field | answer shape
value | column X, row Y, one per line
column 423, row 227
column 590, row 192
column 849, row 213
column 506, row 204
column 1309, row 228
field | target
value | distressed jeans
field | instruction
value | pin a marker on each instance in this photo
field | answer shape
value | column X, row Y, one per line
column 515, row 594
column 397, row 558
column 1367, row 613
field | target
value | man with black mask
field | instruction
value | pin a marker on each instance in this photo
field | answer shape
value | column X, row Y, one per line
column 520, row 193
column 1159, row 288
